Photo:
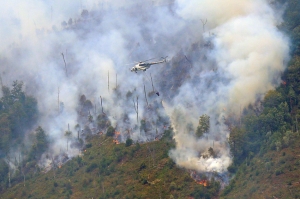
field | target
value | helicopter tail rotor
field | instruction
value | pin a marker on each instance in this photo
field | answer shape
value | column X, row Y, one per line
column 164, row 58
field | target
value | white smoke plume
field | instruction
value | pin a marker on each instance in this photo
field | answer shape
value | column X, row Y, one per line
column 223, row 56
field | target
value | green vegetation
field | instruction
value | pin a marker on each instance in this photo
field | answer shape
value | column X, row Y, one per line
column 107, row 170
column 265, row 145
column 203, row 126
column 18, row 113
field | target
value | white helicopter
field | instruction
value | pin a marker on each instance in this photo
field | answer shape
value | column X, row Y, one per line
column 143, row 65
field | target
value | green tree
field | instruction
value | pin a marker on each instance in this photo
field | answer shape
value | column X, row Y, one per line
column 203, row 126
column 40, row 144
column 128, row 142
column 236, row 142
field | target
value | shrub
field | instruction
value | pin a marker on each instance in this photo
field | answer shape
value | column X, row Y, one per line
column 110, row 131
column 128, row 142
column 89, row 145
column 142, row 166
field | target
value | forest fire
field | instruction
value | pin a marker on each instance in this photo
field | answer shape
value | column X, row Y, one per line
column 202, row 182
column 117, row 135
column 116, row 141
column 198, row 179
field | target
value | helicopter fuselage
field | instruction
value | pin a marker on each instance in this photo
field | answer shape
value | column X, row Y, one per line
column 144, row 66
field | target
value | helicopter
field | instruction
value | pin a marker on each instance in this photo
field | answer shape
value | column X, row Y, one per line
column 143, row 65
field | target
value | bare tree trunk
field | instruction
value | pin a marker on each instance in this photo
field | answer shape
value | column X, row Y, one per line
column 145, row 94
column 101, row 104
column 65, row 64
column 152, row 82
column 203, row 24
column 136, row 108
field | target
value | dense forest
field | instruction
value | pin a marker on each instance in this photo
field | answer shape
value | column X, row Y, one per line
column 272, row 125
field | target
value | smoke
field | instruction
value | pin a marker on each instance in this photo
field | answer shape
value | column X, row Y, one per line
column 223, row 56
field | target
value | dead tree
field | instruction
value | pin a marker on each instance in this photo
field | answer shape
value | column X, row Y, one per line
column 203, row 24
column 136, row 108
column 152, row 82
column 65, row 64
column 68, row 135
column 101, row 104
column 145, row 95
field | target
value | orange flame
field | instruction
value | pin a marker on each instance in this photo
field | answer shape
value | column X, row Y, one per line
column 203, row 182
column 116, row 142
column 117, row 134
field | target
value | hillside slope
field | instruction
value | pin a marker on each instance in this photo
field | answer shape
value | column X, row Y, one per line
column 109, row 170
column 272, row 175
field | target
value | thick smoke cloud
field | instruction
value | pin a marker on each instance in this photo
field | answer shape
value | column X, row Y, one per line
column 215, row 68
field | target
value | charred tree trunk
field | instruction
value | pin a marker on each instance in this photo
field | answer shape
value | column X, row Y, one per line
column 65, row 64
column 145, row 95
column 203, row 24
column 136, row 108
column 101, row 104
column 152, row 82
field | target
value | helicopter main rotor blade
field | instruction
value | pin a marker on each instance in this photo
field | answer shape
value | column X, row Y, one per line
column 148, row 59
column 132, row 63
